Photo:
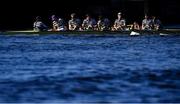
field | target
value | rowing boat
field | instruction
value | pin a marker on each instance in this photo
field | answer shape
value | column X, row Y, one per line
column 128, row 32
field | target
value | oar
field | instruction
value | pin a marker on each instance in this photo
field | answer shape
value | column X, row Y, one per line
column 133, row 33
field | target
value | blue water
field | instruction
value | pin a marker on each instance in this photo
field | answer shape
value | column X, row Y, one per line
column 89, row 68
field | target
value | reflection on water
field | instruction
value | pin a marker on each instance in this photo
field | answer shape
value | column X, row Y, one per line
column 57, row 68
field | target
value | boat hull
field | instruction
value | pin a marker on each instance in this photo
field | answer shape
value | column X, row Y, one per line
column 136, row 32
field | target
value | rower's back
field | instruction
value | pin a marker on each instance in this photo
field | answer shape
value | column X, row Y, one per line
column 39, row 25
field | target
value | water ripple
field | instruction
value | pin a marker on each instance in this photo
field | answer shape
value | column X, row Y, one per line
column 87, row 68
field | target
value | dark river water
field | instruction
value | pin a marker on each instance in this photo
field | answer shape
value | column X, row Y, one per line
column 89, row 69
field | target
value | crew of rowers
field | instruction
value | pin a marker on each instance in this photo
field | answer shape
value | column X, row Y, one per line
column 103, row 24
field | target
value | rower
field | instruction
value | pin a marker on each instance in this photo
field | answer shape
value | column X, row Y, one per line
column 156, row 23
column 74, row 23
column 146, row 23
column 89, row 23
column 54, row 22
column 103, row 24
column 135, row 26
column 106, row 24
column 39, row 25
column 120, row 23
column 61, row 25
column 100, row 24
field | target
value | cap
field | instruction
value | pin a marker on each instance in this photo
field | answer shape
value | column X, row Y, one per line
column 73, row 14
column 60, row 19
column 119, row 13
column 53, row 17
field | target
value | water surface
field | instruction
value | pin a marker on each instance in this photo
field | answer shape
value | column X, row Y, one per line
column 89, row 68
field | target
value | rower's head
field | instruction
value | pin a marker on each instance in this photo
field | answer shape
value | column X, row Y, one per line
column 88, row 16
column 135, row 23
column 38, row 18
column 100, row 17
column 53, row 18
column 119, row 15
column 153, row 17
column 146, row 16
column 60, row 19
column 73, row 15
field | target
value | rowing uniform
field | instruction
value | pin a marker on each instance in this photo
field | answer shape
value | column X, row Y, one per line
column 89, row 24
column 120, row 24
column 100, row 25
column 39, row 26
column 135, row 26
column 61, row 25
column 156, row 24
column 78, row 22
column 74, row 24
column 55, row 22
column 103, row 24
column 146, row 24
column 55, row 25
column 106, row 23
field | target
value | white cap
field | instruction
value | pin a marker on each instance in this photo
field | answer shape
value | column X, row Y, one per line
column 119, row 13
